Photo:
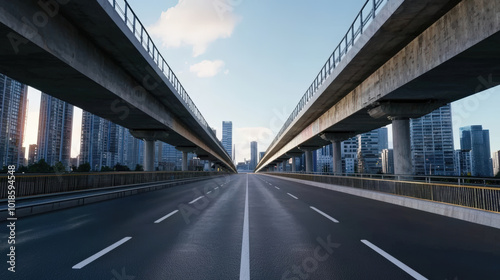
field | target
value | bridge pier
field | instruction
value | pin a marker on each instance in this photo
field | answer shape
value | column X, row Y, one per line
column 149, row 155
column 309, row 157
column 402, row 146
column 185, row 151
column 149, row 137
column 400, row 113
column 336, row 138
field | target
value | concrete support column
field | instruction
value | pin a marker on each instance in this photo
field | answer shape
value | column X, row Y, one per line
column 185, row 151
column 284, row 165
column 149, row 155
column 184, row 161
column 294, row 167
column 309, row 161
column 402, row 146
column 149, row 137
column 337, row 157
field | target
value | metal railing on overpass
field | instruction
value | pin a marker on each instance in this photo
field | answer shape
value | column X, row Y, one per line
column 458, row 180
column 126, row 13
column 362, row 20
column 468, row 195
column 29, row 184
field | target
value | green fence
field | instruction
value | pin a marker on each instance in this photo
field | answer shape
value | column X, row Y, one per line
column 483, row 198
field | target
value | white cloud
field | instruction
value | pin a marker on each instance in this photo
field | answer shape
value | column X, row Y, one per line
column 244, row 135
column 207, row 68
column 195, row 23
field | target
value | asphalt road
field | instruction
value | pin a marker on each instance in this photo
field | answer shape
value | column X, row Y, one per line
column 248, row 227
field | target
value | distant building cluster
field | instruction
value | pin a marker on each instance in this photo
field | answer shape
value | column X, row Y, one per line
column 432, row 146
column 104, row 145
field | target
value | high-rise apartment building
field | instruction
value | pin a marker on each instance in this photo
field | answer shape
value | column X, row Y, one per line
column 476, row 140
column 349, row 152
column 324, row 159
column 463, row 163
column 32, row 153
column 370, row 146
column 227, row 137
column 496, row 163
column 55, row 125
column 102, row 142
column 432, row 143
column 253, row 155
column 13, row 105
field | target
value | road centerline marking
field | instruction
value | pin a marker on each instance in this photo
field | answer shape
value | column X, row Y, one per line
column 245, row 244
column 324, row 214
column 165, row 217
column 292, row 195
column 194, row 200
column 395, row 261
column 100, row 253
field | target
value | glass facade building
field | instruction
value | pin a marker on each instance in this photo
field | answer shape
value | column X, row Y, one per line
column 370, row 146
column 13, row 105
column 227, row 137
column 432, row 143
column 477, row 140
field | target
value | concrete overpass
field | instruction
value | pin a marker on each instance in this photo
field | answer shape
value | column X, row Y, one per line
column 398, row 61
column 98, row 56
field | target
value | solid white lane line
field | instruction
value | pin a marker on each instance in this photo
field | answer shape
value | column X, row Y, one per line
column 166, row 216
column 245, row 246
column 292, row 195
column 196, row 200
column 395, row 261
column 277, row 188
column 100, row 253
column 324, row 214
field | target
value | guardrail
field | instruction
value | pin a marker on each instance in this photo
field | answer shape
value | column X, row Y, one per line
column 363, row 19
column 140, row 33
column 28, row 185
column 477, row 197
column 46, row 203
column 470, row 181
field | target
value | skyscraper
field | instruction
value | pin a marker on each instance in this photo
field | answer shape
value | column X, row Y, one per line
column 496, row 163
column 387, row 161
column 370, row 146
column 99, row 142
column 253, row 156
column 32, row 153
column 13, row 104
column 324, row 158
column 349, row 152
column 473, row 138
column 463, row 163
column 432, row 143
column 55, row 125
column 227, row 137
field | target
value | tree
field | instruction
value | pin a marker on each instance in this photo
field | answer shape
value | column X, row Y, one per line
column 119, row 167
column 22, row 168
column 106, row 169
column 84, row 167
column 59, row 167
column 139, row 167
column 40, row 167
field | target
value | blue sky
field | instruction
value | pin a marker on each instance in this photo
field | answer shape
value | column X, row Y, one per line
column 250, row 62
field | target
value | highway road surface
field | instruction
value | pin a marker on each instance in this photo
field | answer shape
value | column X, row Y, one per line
column 248, row 226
